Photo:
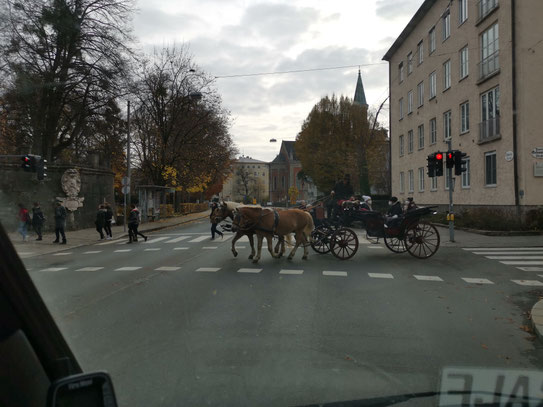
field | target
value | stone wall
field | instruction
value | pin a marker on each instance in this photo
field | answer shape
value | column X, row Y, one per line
column 17, row 186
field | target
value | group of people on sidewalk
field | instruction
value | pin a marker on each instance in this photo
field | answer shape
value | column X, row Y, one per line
column 37, row 220
column 104, row 220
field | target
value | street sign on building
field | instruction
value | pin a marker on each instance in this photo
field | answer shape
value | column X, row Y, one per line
column 537, row 152
column 509, row 156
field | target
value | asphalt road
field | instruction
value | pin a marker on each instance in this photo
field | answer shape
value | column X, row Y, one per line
column 186, row 323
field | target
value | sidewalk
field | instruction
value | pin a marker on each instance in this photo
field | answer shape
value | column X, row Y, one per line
column 85, row 237
column 469, row 239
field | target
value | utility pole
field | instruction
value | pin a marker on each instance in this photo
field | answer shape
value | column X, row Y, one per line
column 126, row 185
column 451, row 189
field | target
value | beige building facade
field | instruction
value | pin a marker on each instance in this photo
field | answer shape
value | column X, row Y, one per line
column 249, row 180
column 469, row 71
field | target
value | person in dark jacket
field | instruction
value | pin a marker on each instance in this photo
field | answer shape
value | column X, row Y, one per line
column 60, row 222
column 342, row 190
column 109, row 217
column 133, row 223
column 410, row 204
column 100, row 221
column 395, row 207
column 37, row 219
column 214, row 205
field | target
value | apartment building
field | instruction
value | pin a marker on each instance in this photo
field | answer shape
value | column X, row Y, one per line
column 469, row 71
column 249, row 179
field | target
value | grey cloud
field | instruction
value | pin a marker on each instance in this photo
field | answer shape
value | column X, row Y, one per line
column 155, row 22
column 392, row 9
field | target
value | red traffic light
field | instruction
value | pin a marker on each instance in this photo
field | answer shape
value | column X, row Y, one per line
column 439, row 156
column 449, row 156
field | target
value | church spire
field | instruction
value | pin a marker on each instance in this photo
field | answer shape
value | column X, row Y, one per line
column 359, row 95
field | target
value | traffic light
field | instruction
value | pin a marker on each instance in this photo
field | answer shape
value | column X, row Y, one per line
column 41, row 168
column 26, row 162
column 439, row 164
column 459, row 162
column 450, row 159
column 431, row 165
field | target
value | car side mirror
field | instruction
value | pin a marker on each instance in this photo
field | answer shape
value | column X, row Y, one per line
column 82, row 390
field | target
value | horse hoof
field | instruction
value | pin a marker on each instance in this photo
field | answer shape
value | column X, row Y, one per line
column 289, row 257
column 235, row 254
column 304, row 258
column 250, row 256
column 255, row 261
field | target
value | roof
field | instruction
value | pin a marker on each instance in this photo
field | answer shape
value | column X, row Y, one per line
column 415, row 20
column 246, row 160
column 359, row 95
column 289, row 147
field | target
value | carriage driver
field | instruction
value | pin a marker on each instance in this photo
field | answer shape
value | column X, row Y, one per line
column 342, row 191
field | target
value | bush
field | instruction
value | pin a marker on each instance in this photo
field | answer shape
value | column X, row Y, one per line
column 534, row 219
column 494, row 219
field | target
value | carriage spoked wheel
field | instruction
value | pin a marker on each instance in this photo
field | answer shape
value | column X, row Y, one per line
column 344, row 243
column 422, row 240
column 395, row 244
column 321, row 238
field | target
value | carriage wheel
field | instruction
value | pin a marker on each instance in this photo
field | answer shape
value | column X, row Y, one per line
column 395, row 244
column 344, row 243
column 422, row 240
column 320, row 239
column 371, row 239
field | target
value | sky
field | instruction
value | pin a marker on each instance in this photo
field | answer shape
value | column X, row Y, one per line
column 239, row 37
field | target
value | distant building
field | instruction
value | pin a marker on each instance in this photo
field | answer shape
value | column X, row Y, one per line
column 248, row 181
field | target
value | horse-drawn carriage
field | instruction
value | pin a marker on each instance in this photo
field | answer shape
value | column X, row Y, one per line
column 409, row 232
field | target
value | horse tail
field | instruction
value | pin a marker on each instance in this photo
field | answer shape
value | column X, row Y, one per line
column 308, row 229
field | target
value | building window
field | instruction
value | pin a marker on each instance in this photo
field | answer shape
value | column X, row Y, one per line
column 466, row 175
column 464, row 117
column 447, row 125
column 462, row 11
column 432, row 40
column 420, row 52
column 420, row 93
column 409, row 63
column 489, row 128
column 411, row 181
column 400, row 69
column 401, row 108
column 486, row 6
column 410, row 102
column 446, row 24
column 421, row 136
column 433, row 85
column 433, row 131
column 401, row 145
column 402, row 182
column 433, row 186
column 464, row 62
column 410, row 141
column 447, row 75
column 490, row 50
column 421, row 179
column 490, row 169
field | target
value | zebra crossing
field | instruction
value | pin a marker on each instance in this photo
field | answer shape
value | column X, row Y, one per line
column 523, row 258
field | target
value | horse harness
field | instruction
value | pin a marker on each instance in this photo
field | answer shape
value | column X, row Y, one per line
column 262, row 214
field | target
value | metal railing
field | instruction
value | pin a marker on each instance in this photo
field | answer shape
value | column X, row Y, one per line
column 484, row 7
column 489, row 65
column 489, row 130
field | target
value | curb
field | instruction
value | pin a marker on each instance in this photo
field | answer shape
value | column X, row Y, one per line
column 494, row 232
column 537, row 318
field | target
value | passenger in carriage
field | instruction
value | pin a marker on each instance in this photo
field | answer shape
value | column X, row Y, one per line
column 342, row 191
column 410, row 204
column 366, row 205
column 394, row 213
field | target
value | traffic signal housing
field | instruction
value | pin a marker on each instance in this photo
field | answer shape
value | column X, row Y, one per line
column 459, row 162
column 450, row 159
column 431, row 165
column 26, row 162
column 41, row 168
column 439, row 164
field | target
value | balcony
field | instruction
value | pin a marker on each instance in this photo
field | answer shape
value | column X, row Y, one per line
column 489, row 130
column 485, row 7
column 489, row 65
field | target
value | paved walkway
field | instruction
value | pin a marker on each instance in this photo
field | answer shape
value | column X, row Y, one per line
column 90, row 236
column 469, row 239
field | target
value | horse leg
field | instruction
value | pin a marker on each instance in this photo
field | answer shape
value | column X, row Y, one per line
column 293, row 251
column 280, row 242
column 259, row 238
column 305, row 243
column 234, row 240
column 269, row 238
column 252, row 243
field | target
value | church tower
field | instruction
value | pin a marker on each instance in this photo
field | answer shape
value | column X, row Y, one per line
column 359, row 95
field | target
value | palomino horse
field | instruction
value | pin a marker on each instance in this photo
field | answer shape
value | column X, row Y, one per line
column 226, row 210
column 268, row 222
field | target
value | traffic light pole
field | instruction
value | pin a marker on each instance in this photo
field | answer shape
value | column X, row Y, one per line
column 127, row 199
column 451, row 205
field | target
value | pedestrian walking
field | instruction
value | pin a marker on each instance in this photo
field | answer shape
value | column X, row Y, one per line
column 60, row 222
column 133, row 223
column 213, row 221
column 37, row 219
column 100, row 221
column 24, row 220
column 109, row 219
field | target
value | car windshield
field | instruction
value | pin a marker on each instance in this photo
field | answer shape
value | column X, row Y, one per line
column 277, row 202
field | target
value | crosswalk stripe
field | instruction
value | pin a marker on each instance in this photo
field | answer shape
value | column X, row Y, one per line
column 428, row 278
column 501, row 248
column 167, row 268
column 158, row 239
column 154, row 249
column 109, row 242
column 208, row 269
column 90, row 269
column 334, row 273
column 54, row 269
column 177, row 239
column 127, row 268
column 514, row 257
column 24, row 253
column 93, row 252
column 522, row 263
column 243, row 239
column 62, row 254
column 199, row 239
column 375, row 247
column 209, row 247
column 122, row 250
column 286, row 271
column 249, row 270
column 380, row 275
column 226, row 237
column 528, row 282
column 530, row 268
column 180, row 248
column 506, row 253
column 477, row 280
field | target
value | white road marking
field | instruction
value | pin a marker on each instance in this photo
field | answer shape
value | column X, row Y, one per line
column 167, row 268
column 158, row 239
column 505, row 253
column 243, row 239
column 208, row 269
column 154, row 249
column 109, row 242
column 380, row 275
column 514, row 257
column 530, row 268
column 122, row 250
column 90, row 269
column 127, row 268
column 249, row 270
column 54, row 269
column 528, row 282
column 286, row 271
column 241, row 247
column 180, row 248
column 363, row 240
column 375, row 247
column 25, row 253
column 178, row 239
column 522, row 263
column 428, row 278
column 334, row 273
column 199, row 239
column 477, row 280
column 501, row 248
column 93, row 252
column 226, row 237
column 62, row 254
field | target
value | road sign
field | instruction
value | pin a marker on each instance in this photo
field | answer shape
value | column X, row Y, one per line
column 509, row 156
column 537, row 152
column 126, row 189
column 125, row 181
